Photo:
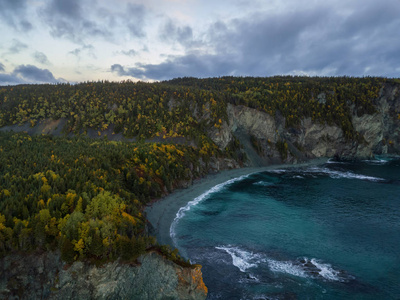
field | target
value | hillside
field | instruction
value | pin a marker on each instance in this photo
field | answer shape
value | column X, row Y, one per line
column 108, row 149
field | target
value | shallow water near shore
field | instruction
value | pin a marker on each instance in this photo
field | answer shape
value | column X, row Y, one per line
column 330, row 231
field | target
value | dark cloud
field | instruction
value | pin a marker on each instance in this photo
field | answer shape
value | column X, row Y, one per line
column 119, row 70
column 78, row 20
column 170, row 32
column 72, row 20
column 8, row 79
column 353, row 40
column 26, row 74
column 70, row 9
column 188, row 65
column 130, row 52
column 1, row 67
column 88, row 49
column 34, row 74
column 13, row 12
column 41, row 58
column 17, row 47
column 134, row 18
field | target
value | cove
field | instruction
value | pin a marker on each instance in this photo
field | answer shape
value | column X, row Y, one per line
column 328, row 231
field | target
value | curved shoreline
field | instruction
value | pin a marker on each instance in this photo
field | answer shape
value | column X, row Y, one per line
column 162, row 213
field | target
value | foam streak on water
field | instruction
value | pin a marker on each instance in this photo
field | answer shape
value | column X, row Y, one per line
column 287, row 267
column 242, row 259
column 326, row 271
column 181, row 213
column 334, row 174
column 306, row 268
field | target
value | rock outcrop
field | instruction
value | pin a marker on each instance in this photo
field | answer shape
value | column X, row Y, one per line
column 45, row 276
column 379, row 133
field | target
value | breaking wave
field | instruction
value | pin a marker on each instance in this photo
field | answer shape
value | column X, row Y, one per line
column 304, row 267
column 263, row 183
column 242, row 259
column 334, row 174
column 376, row 161
column 181, row 213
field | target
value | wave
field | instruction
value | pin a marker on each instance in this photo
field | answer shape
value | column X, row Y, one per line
column 278, row 171
column 334, row 174
column 250, row 278
column 310, row 268
column 242, row 259
column 182, row 211
column 325, row 270
column 332, row 161
column 286, row 267
column 376, row 161
column 263, row 183
column 304, row 267
column 340, row 174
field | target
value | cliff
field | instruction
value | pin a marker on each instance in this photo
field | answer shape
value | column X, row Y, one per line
column 45, row 276
column 262, row 134
column 267, row 139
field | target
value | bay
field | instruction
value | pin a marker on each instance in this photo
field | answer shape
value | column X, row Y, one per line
column 320, row 232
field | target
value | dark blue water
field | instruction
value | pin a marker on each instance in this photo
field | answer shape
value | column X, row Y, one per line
column 322, row 232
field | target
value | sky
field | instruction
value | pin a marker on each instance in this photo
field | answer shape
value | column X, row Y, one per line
column 50, row 41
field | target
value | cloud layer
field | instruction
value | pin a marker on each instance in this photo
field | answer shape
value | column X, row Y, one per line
column 316, row 41
column 163, row 39
column 25, row 74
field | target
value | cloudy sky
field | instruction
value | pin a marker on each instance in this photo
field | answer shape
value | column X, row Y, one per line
column 79, row 40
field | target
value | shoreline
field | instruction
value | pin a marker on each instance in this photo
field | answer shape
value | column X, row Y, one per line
column 162, row 212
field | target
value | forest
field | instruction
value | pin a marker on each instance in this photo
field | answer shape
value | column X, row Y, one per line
column 86, row 196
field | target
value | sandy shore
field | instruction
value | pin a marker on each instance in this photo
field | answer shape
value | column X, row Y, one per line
column 162, row 213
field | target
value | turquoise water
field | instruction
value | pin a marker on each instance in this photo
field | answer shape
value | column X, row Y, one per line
column 321, row 232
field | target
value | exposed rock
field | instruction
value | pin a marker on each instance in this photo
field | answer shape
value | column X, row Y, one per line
column 320, row 140
column 321, row 98
column 46, row 277
column 47, row 126
column 252, row 121
column 379, row 133
column 370, row 127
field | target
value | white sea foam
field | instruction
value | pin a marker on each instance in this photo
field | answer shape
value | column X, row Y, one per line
column 326, row 171
column 306, row 268
column 278, row 171
column 339, row 174
column 182, row 211
column 331, row 161
column 286, row 267
column 376, row 161
column 254, row 277
column 263, row 183
column 326, row 270
column 250, row 278
column 242, row 259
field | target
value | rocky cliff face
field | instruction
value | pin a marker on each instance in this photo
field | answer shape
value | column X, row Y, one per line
column 378, row 133
column 45, row 276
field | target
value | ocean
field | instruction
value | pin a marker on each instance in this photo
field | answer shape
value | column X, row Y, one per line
column 320, row 232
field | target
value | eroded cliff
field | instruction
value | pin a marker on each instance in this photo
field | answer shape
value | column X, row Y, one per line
column 377, row 133
column 45, row 276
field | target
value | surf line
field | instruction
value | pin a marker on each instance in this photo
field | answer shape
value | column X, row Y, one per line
column 182, row 211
